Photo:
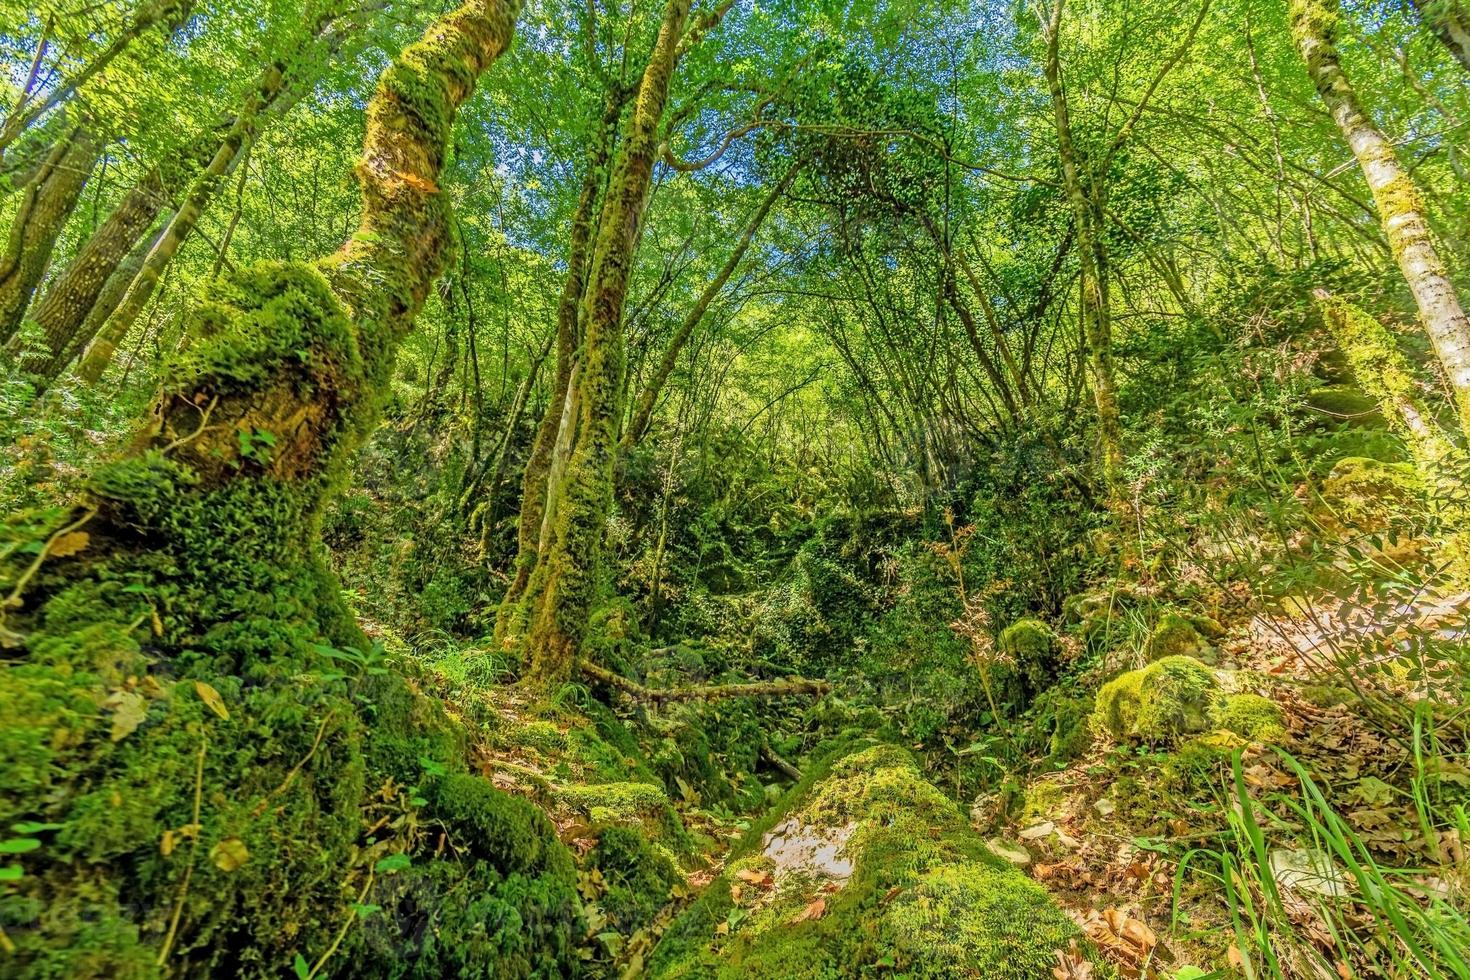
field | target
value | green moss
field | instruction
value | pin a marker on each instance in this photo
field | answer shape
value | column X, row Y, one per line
column 925, row 896
column 1032, row 647
column 636, row 878
column 1367, row 494
column 1250, row 716
column 1157, row 704
column 1174, row 635
column 1335, row 405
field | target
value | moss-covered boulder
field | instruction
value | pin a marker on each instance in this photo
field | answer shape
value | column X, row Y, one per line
column 1250, row 716
column 866, row 867
column 1363, row 494
column 1343, row 405
column 1177, row 635
column 1032, row 650
column 1158, row 704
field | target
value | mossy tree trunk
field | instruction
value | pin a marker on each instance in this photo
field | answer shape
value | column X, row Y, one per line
column 1400, row 206
column 549, row 619
column 1449, row 21
column 1084, row 194
column 267, row 88
column 535, row 481
column 1386, row 374
column 44, row 208
column 194, row 562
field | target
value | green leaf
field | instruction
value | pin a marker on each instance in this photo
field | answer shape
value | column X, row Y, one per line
column 18, row 845
column 302, row 968
column 31, row 827
column 392, row 864
column 11, row 872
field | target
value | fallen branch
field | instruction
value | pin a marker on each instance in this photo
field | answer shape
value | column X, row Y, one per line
column 787, row 769
column 788, row 687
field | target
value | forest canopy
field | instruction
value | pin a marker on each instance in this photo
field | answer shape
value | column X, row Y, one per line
column 718, row 488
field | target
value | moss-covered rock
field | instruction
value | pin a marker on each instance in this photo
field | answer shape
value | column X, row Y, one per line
column 634, row 881
column 1344, row 405
column 1032, row 649
column 871, row 867
column 1368, row 495
column 1176, row 635
column 1250, row 716
column 1158, row 704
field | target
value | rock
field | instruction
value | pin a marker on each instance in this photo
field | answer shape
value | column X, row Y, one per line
column 1157, row 705
column 925, row 895
column 1013, row 854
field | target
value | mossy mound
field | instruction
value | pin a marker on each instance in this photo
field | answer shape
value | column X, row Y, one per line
column 236, row 825
column 1158, row 704
column 873, row 868
column 1250, row 716
column 1032, row 650
column 1365, row 494
column 1345, row 405
column 1177, row 635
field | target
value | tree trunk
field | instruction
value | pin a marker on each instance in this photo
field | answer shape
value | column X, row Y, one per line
column 643, row 413
column 535, row 488
column 1384, row 372
column 1083, row 193
column 1400, row 206
column 1449, row 21
column 65, row 305
column 268, row 87
column 550, row 619
column 39, row 220
column 198, row 553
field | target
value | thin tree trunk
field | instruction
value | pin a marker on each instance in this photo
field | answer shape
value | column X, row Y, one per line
column 1449, row 21
column 26, row 113
column 65, row 305
column 201, row 194
column 643, row 413
column 39, row 220
column 1400, row 205
column 1096, row 313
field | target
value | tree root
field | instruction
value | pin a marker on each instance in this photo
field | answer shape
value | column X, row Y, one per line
column 787, row 687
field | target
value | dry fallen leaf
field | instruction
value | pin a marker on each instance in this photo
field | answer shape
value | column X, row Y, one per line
column 211, row 697
column 229, row 854
column 1071, row 964
column 68, row 544
column 761, row 879
column 815, row 910
column 129, row 709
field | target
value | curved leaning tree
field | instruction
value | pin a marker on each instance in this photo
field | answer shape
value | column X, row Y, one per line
column 202, row 777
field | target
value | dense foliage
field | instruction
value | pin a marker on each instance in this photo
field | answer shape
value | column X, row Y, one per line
column 727, row 489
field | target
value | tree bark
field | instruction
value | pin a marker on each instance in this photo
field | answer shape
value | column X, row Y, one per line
column 39, row 220
column 1400, row 206
column 65, row 305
